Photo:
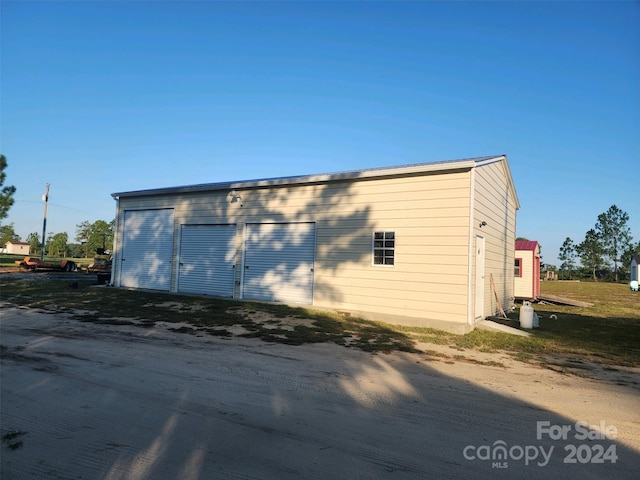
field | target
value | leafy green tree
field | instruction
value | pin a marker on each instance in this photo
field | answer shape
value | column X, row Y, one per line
column 6, row 193
column 33, row 239
column 615, row 235
column 57, row 244
column 75, row 250
column 83, row 233
column 568, row 255
column 625, row 259
column 102, row 234
column 7, row 234
column 94, row 236
column 590, row 252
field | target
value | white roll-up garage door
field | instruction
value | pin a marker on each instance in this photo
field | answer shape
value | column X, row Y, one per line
column 207, row 259
column 147, row 247
column 278, row 262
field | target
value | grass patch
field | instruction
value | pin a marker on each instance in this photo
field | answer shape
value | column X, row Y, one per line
column 269, row 322
column 607, row 333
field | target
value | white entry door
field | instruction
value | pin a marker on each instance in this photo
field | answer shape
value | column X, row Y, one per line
column 147, row 247
column 278, row 262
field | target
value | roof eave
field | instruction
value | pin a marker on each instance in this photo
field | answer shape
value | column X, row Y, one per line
column 403, row 170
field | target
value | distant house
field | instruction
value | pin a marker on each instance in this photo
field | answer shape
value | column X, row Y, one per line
column 634, row 268
column 410, row 244
column 18, row 248
column 526, row 274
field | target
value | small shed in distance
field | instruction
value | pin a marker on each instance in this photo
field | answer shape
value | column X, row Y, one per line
column 526, row 276
column 635, row 260
column 17, row 248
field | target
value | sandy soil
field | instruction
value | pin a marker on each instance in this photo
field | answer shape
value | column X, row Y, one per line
column 87, row 401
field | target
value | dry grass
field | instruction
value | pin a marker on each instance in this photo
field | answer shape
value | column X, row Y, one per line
column 607, row 333
column 219, row 317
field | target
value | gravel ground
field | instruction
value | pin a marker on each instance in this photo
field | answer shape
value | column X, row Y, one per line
column 88, row 401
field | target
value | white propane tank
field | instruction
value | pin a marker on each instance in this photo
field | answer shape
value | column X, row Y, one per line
column 526, row 315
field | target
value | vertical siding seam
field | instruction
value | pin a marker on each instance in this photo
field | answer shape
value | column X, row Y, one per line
column 471, row 250
column 173, row 275
column 178, row 230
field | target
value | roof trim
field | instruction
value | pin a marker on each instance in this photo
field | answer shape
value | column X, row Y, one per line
column 393, row 171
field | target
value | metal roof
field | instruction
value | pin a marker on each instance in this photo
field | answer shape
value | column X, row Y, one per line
column 526, row 244
column 399, row 170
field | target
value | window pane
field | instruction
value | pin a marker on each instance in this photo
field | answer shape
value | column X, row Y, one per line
column 384, row 248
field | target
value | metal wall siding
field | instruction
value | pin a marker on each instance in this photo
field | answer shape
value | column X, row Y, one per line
column 147, row 249
column 279, row 261
column 207, row 259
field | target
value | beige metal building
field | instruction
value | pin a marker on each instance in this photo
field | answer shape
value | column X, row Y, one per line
column 429, row 244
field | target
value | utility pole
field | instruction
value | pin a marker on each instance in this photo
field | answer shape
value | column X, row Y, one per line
column 45, row 197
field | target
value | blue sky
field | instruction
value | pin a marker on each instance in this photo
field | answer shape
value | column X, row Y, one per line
column 103, row 97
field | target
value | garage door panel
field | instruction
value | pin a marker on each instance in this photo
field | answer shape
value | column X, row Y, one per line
column 147, row 248
column 278, row 263
column 207, row 259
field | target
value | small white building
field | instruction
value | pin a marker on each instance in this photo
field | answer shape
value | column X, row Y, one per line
column 18, row 248
column 411, row 244
column 526, row 275
column 634, row 268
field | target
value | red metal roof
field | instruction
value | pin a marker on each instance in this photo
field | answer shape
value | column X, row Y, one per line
column 526, row 244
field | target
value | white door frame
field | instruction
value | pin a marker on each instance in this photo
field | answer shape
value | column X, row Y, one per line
column 480, row 277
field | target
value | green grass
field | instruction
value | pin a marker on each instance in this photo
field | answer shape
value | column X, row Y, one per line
column 8, row 260
column 607, row 333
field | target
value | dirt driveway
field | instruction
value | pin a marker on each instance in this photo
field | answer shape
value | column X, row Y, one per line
column 89, row 401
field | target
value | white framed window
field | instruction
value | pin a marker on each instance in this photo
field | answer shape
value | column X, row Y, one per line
column 384, row 248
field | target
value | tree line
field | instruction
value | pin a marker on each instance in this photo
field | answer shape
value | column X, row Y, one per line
column 605, row 252
column 91, row 237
